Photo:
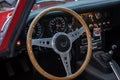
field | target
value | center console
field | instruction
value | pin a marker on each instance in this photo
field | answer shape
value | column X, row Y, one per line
column 98, row 23
column 102, row 66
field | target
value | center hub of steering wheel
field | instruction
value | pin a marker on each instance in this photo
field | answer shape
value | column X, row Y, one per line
column 61, row 43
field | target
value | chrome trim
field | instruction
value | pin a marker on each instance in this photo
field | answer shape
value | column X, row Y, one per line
column 76, row 34
column 65, row 56
column 4, row 27
column 114, row 70
column 2, row 33
column 42, row 42
column 53, row 43
column 66, row 63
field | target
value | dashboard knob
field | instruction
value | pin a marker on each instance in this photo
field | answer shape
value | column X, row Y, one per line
column 114, row 47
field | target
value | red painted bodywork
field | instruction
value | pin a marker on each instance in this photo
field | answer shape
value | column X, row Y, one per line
column 4, row 16
column 4, row 45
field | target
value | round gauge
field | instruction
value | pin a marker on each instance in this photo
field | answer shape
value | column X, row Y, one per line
column 57, row 25
column 38, row 31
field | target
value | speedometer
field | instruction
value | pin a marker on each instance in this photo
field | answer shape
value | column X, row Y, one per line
column 57, row 24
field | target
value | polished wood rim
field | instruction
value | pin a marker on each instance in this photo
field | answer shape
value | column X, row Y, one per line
column 32, row 56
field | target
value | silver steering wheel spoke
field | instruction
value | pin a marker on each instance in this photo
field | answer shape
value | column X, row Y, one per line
column 42, row 42
column 76, row 34
column 65, row 57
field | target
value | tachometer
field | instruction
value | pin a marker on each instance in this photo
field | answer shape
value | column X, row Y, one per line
column 57, row 25
column 38, row 31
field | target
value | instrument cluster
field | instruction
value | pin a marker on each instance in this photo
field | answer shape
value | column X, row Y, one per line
column 96, row 21
column 47, row 27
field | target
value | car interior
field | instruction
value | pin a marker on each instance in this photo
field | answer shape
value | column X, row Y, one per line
column 76, row 40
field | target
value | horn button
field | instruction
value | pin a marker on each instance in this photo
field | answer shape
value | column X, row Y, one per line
column 61, row 43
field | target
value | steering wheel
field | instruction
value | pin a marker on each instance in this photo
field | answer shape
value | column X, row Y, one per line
column 61, row 43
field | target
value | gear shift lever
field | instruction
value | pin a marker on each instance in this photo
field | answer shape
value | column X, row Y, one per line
column 112, row 65
column 114, row 70
column 107, row 58
column 100, row 60
column 104, row 62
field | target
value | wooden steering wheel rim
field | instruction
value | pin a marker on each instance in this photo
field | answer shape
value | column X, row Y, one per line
column 31, row 54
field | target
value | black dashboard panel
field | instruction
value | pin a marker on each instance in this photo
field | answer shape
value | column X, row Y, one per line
column 98, row 23
column 99, row 16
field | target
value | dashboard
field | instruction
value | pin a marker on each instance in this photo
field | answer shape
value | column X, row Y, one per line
column 63, row 23
column 98, row 22
column 49, row 26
